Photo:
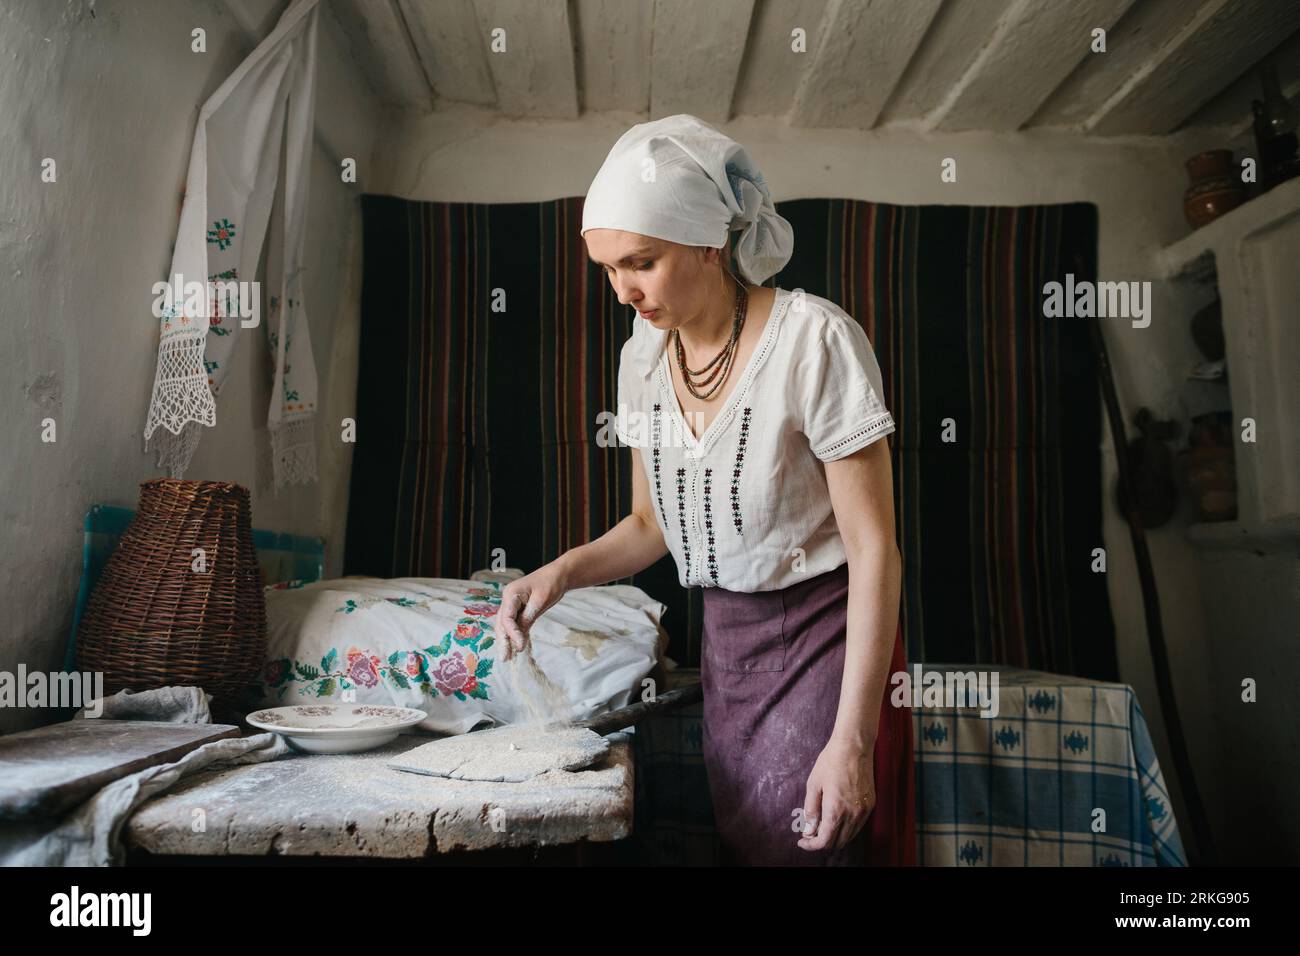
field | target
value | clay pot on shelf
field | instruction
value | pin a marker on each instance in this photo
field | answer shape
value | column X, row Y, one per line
column 1215, row 189
column 1209, row 467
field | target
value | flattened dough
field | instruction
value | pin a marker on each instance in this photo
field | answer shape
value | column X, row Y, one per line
column 505, row 753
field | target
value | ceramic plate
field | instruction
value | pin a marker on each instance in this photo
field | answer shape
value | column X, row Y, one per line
column 336, row 728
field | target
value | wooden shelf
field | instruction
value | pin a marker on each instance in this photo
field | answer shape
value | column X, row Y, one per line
column 1266, row 536
column 1192, row 257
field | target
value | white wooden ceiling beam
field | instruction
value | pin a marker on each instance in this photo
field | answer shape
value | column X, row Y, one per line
column 862, row 50
column 1231, row 108
column 452, row 53
column 1034, row 48
column 382, row 46
column 614, row 45
column 959, row 31
column 1134, row 40
column 529, row 49
column 1205, row 56
column 773, row 67
column 696, row 55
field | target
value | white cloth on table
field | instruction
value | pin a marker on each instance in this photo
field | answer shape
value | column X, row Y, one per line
column 176, row 705
column 91, row 834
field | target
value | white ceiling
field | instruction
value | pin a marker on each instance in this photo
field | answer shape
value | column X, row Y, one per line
column 998, row 65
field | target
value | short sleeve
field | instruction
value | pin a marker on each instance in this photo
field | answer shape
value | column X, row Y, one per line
column 840, row 391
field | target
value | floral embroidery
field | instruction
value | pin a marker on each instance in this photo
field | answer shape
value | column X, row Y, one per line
column 171, row 312
column 458, row 676
column 457, row 666
column 215, row 311
column 222, row 233
column 681, row 516
column 351, row 605
column 735, row 474
column 659, row 493
column 708, row 524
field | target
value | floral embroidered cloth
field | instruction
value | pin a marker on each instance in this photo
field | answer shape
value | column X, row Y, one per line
column 430, row 643
column 265, row 106
column 746, row 507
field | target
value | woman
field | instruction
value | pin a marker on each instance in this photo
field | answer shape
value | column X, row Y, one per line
column 754, row 416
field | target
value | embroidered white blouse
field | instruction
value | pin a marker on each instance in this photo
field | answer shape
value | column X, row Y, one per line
column 746, row 507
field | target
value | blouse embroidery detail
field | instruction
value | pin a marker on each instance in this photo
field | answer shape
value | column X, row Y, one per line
column 785, row 385
column 681, row 515
column 735, row 474
column 708, row 525
column 659, row 492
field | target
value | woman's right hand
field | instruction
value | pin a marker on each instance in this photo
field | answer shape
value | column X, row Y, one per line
column 524, row 600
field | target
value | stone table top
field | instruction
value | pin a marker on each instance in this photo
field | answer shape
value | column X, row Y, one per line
column 354, row 805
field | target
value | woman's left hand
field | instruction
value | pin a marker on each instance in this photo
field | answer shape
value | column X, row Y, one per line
column 840, row 795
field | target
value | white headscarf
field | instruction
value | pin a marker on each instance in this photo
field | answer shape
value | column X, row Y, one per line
column 681, row 180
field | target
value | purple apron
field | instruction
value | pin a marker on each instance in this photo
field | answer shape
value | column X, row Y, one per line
column 771, row 666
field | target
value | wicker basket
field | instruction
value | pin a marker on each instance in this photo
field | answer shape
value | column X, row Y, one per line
column 154, row 620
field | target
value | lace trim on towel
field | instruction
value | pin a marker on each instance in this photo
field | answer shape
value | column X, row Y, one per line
column 181, row 403
column 881, row 426
column 293, row 452
column 175, row 451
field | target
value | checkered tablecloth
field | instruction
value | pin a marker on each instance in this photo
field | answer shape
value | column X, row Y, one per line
column 1033, row 787
column 1065, row 775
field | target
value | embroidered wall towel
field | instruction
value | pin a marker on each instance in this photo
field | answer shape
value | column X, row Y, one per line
column 264, row 107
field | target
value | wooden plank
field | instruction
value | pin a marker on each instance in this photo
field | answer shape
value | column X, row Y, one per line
column 1224, row 39
column 534, row 76
column 1034, row 49
column 614, row 46
column 1231, row 108
column 862, row 51
column 697, row 52
column 1130, row 44
column 381, row 44
column 960, row 30
column 49, row 770
column 771, row 70
column 451, row 50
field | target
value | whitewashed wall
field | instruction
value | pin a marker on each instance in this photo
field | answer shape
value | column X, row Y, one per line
column 112, row 93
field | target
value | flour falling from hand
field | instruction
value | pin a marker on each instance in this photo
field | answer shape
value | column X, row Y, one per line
column 542, row 700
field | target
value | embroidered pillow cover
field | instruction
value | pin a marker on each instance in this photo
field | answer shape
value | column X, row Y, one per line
column 429, row 643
